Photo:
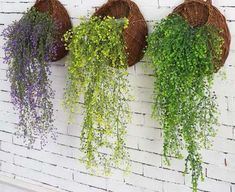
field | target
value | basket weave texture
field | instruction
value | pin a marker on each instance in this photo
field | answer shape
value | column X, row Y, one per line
column 200, row 12
column 136, row 32
column 60, row 16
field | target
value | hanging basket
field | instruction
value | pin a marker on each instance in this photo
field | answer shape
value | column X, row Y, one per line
column 135, row 34
column 200, row 12
column 60, row 15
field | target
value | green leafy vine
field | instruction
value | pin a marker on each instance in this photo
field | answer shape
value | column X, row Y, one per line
column 98, row 70
column 184, row 60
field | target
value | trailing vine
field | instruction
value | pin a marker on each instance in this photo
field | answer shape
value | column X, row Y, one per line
column 184, row 60
column 28, row 48
column 98, row 70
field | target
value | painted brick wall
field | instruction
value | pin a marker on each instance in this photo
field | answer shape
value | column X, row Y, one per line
column 57, row 166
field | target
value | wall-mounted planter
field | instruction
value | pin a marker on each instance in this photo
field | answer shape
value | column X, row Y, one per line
column 59, row 15
column 200, row 12
column 136, row 32
column 186, row 49
column 101, row 48
column 31, row 43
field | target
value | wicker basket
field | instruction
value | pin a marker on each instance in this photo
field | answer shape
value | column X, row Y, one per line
column 200, row 12
column 135, row 34
column 60, row 15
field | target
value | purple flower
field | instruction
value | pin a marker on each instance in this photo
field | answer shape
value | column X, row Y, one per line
column 28, row 48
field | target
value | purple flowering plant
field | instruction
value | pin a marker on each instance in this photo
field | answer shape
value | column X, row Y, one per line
column 29, row 46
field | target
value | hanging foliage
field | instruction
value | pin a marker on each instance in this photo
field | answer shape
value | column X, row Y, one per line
column 184, row 59
column 98, row 70
column 29, row 47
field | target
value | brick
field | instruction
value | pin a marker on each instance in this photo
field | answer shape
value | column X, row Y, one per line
column 141, row 81
column 144, row 132
column 90, row 180
column 57, row 171
column 176, row 164
column 163, row 174
column 137, row 168
column 4, row 136
column 229, row 13
column 20, row 140
column 225, row 132
column 118, row 186
column 151, row 122
column 141, row 107
column 142, row 94
column 169, row 3
column 68, row 140
column 28, row 163
column 6, row 156
column 154, row 146
column 223, row 145
column 169, row 187
column 213, row 157
column 221, row 173
column 141, row 181
column 210, row 185
column 137, row 119
column 145, row 157
column 230, row 159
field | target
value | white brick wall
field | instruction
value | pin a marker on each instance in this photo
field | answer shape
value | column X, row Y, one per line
column 57, row 166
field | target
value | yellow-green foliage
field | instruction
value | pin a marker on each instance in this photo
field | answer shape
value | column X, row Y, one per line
column 98, row 70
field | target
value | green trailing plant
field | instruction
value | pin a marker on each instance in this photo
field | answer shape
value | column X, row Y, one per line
column 98, row 70
column 184, row 59
column 29, row 46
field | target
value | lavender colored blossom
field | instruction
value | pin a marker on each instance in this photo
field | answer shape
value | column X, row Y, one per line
column 30, row 44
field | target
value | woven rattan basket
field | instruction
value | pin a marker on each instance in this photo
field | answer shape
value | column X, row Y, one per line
column 60, row 15
column 135, row 34
column 200, row 12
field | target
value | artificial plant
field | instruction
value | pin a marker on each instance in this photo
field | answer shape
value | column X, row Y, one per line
column 184, row 59
column 97, row 70
column 29, row 46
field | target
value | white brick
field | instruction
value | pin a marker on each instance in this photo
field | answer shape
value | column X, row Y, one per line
column 137, row 119
column 171, row 187
column 28, row 163
column 4, row 136
column 151, row 122
column 169, row 3
column 6, row 126
column 142, row 94
column 229, row 13
column 175, row 164
column 154, row 146
column 144, row 182
column 57, row 171
column 141, row 81
column 137, row 168
column 6, row 156
column 68, row 140
column 213, row 157
column 145, row 157
column 163, row 174
column 144, row 132
column 210, row 185
column 90, row 180
column 223, row 145
column 221, row 173
column 141, row 107
column 230, row 159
